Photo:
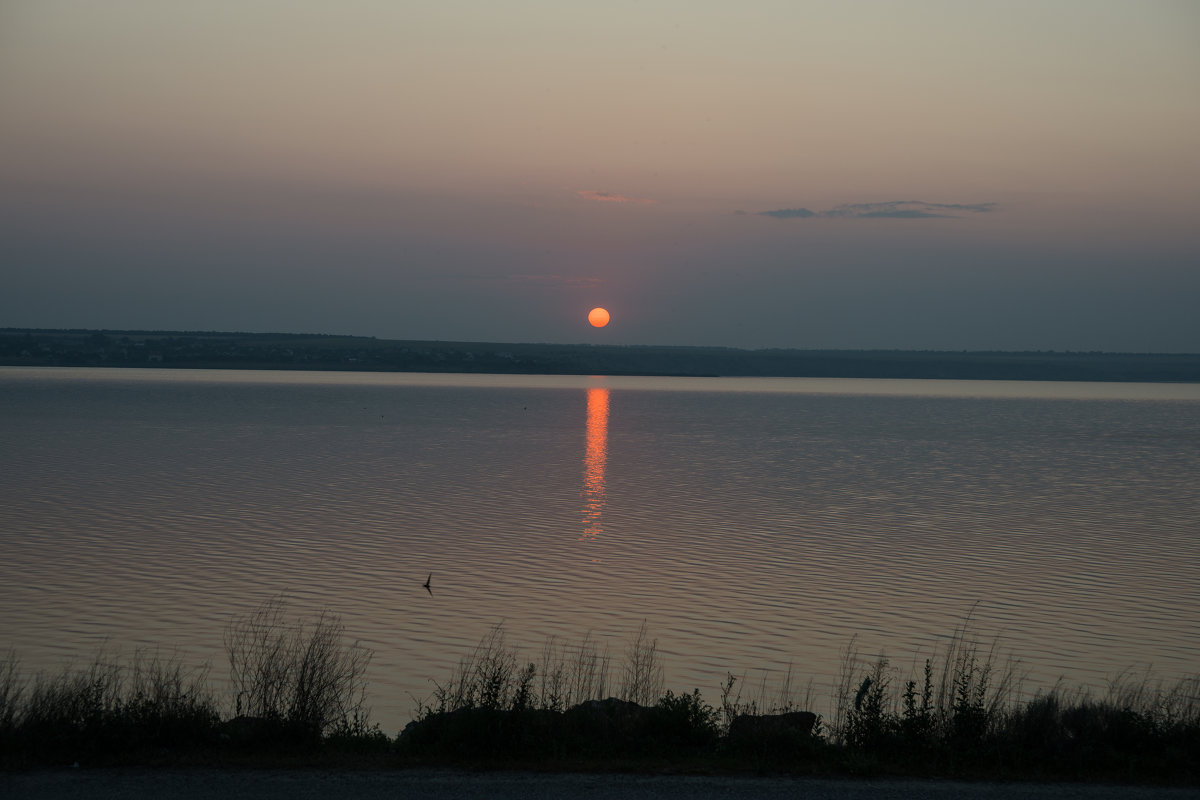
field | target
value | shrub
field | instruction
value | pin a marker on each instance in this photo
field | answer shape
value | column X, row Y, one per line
column 960, row 706
column 298, row 676
column 917, row 724
column 166, row 703
column 493, row 677
column 69, row 710
column 683, row 720
column 871, row 722
column 11, row 689
column 110, row 707
column 486, row 679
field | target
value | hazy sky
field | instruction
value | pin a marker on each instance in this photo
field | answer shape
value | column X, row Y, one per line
column 922, row 174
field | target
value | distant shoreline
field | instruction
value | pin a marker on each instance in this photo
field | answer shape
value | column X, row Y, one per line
column 285, row 351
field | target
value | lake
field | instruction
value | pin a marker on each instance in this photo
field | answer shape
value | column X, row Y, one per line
column 753, row 525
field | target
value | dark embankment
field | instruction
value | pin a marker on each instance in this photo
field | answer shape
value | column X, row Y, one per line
column 193, row 350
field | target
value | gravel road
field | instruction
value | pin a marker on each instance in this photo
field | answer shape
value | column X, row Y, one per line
column 195, row 784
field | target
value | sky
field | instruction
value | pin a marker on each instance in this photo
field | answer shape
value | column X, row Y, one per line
column 806, row 174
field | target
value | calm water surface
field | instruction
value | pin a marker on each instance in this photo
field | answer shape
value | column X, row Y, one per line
column 752, row 524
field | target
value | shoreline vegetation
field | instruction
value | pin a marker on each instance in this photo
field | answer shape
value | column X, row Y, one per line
column 283, row 351
column 296, row 696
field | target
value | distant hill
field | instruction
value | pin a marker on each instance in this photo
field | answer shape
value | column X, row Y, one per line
column 195, row 350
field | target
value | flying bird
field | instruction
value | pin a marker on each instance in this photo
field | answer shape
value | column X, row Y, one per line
column 426, row 584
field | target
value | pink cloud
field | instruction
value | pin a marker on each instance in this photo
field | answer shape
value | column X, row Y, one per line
column 609, row 197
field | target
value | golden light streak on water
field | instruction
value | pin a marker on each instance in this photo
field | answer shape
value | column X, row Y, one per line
column 594, row 460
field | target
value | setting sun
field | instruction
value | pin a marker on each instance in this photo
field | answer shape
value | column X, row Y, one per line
column 598, row 317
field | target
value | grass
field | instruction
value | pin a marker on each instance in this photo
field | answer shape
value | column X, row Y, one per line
column 105, row 707
column 497, row 705
column 957, row 700
column 494, row 676
column 296, row 679
column 299, row 693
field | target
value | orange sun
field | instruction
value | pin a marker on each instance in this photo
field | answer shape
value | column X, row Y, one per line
column 598, row 317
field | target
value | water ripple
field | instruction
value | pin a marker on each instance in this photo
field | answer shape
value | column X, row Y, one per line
column 750, row 531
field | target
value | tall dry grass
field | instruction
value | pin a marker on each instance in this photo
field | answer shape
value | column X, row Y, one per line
column 11, row 690
column 297, row 673
column 766, row 696
column 958, row 712
column 959, row 696
column 495, row 675
column 110, row 704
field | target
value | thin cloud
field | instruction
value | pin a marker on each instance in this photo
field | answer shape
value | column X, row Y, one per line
column 609, row 197
column 893, row 209
column 789, row 213
column 902, row 213
column 558, row 280
column 545, row 279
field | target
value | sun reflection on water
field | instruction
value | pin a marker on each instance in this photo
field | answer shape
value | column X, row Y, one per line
column 594, row 459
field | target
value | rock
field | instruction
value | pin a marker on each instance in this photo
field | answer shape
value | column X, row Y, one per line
column 483, row 732
column 606, row 726
column 243, row 730
column 254, row 732
column 771, row 731
column 612, row 708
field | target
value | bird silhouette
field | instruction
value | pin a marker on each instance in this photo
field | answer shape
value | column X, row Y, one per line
column 426, row 584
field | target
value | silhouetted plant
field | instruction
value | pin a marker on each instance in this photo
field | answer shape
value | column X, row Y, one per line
column 973, row 693
column 969, row 716
column 552, row 678
column 732, row 704
column 1164, row 708
column 871, row 722
column 494, row 672
column 297, row 674
column 956, row 721
column 489, row 677
column 69, row 709
column 781, row 700
column 11, row 690
column 642, row 675
column 483, row 679
column 590, row 673
column 167, row 702
column 109, row 706
column 959, row 705
column 917, row 724
column 684, row 720
column 569, row 674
